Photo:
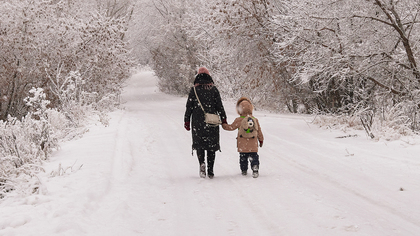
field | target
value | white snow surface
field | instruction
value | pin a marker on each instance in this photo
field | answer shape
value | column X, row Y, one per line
column 138, row 177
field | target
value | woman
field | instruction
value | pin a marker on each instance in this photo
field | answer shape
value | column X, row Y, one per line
column 205, row 137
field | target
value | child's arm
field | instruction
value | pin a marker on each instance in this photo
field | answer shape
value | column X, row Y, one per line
column 260, row 134
column 236, row 123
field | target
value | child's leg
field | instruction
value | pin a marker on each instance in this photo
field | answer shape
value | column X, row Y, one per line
column 243, row 161
column 254, row 159
column 255, row 164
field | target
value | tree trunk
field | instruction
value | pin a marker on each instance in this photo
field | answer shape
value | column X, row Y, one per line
column 1, row 107
column 396, row 23
column 11, row 96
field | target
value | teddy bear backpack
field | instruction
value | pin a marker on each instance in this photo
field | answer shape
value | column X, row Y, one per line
column 249, row 128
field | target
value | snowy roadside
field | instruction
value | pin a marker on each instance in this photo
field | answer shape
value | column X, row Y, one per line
column 137, row 177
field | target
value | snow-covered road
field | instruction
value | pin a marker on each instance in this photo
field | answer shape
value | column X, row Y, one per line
column 139, row 178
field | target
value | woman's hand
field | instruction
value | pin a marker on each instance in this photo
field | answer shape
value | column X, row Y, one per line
column 187, row 125
column 224, row 126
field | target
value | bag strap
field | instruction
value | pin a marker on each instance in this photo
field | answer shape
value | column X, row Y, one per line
column 201, row 105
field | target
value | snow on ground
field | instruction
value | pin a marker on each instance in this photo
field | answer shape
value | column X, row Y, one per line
column 137, row 177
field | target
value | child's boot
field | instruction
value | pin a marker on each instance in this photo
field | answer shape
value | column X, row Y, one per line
column 255, row 173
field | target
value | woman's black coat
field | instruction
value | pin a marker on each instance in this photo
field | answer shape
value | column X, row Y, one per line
column 204, row 136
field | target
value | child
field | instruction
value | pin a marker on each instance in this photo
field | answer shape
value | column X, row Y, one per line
column 249, row 134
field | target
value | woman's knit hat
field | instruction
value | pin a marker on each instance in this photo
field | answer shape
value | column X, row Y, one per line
column 203, row 78
column 203, row 70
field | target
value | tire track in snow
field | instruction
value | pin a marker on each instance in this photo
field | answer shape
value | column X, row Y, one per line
column 123, row 155
column 321, row 173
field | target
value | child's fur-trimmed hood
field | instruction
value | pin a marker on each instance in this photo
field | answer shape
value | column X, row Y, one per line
column 244, row 106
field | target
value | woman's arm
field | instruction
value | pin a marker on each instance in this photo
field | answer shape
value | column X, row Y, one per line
column 189, row 106
column 219, row 106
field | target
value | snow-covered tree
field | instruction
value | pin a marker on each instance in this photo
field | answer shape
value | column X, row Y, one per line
column 249, row 34
column 357, row 55
column 341, row 57
column 43, row 41
column 171, row 49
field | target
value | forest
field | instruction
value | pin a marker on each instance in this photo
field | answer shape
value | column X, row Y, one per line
column 348, row 61
column 354, row 59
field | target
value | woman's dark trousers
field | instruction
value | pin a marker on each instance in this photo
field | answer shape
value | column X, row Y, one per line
column 211, row 155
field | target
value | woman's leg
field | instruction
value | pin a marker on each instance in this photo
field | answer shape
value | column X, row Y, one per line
column 200, row 156
column 211, row 156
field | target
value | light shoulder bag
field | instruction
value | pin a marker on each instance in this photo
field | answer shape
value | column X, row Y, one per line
column 209, row 118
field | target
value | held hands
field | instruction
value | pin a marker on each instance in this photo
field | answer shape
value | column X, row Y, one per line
column 187, row 125
column 224, row 124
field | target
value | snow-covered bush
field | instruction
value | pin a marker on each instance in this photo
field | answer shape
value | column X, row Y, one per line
column 23, row 146
column 340, row 122
column 389, row 123
column 25, row 143
column 75, row 57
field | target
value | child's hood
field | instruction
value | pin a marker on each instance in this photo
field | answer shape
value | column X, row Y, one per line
column 244, row 106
